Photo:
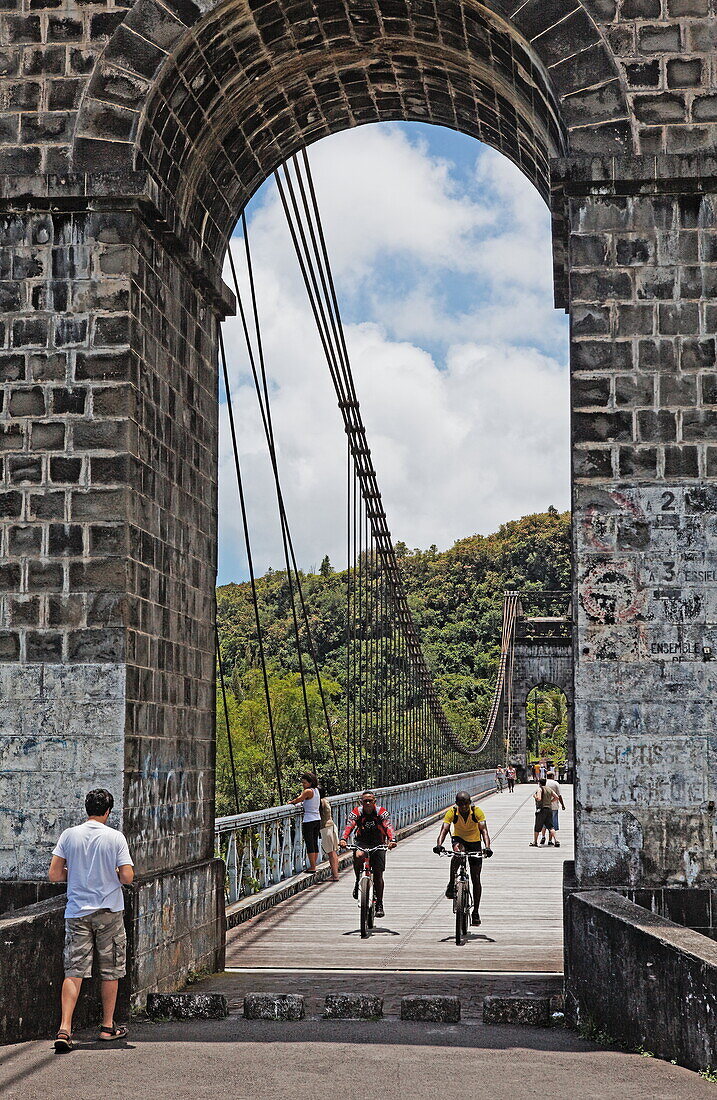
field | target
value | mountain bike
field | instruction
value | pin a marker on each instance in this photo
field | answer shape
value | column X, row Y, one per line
column 462, row 897
column 366, row 899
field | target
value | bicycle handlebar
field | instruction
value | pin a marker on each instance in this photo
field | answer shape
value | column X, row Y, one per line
column 361, row 848
column 466, row 855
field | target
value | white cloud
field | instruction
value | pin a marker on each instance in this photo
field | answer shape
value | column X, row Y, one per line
column 467, row 431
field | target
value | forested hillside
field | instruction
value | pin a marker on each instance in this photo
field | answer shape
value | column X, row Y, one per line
column 456, row 597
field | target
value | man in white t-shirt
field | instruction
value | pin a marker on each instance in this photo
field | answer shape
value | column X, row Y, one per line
column 95, row 863
column 552, row 782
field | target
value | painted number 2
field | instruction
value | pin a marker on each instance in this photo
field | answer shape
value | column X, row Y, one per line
column 668, row 501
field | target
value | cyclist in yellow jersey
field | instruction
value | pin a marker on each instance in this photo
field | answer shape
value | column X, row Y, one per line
column 469, row 833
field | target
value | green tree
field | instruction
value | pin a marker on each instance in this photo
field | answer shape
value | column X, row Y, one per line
column 456, row 597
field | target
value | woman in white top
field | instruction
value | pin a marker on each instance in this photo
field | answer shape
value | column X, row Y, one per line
column 311, row 825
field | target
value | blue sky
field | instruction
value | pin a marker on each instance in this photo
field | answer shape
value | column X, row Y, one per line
column 441, row 253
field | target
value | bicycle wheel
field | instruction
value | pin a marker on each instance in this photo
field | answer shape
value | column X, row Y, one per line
column 460, row 911
column 372, row 912
column 364, row 899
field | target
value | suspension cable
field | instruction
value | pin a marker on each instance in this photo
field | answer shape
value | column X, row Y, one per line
column 327, row 316
column 226, row 716
column 250, row 562
column 287, row 541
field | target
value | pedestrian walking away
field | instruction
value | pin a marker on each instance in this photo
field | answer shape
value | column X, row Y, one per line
column 499, row 778
column 469, row 830
column 94, row 861
column 510, row 778
column 555, row 788
column 544, row 798
column 373, row 829
column 310, row 799
column 329, row 838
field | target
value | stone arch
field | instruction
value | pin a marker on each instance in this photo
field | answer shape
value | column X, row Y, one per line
column 561, row 681
column 210, row 101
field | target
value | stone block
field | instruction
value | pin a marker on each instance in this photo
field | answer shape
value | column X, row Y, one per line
column 664, row 107
column 353, row 1006
column 431, row 1009
column 274, row 1006
column 644, row 74
column 187, row 1006
column 530, row 1011
column 595, row 462
column 608, row 427
column 638, row 461
column 676, row 8
column 704, row 108
column 684, row 72
column 659, row 38
column 640, row 9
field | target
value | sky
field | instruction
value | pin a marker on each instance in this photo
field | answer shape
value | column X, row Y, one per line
column 441, row 254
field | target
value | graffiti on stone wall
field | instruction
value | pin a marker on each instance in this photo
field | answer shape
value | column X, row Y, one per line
column 164, row 801
column 610, row 592
column 653, row 773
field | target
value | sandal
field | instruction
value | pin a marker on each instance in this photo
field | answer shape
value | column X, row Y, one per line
column 63, row 1042
column 533, row 844
column 112, row 1033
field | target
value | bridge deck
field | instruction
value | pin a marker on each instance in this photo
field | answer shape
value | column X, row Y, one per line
column 521, row 909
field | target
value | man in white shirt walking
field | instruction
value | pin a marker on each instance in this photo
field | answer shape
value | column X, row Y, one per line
column 95, row 863
column 555, row 788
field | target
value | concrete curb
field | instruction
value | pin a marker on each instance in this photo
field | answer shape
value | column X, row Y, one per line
column 258, row 904
column 187, row 1006
column 353, row 1006
column 431, row 1010
column 274, row 1006
column 529, row 1011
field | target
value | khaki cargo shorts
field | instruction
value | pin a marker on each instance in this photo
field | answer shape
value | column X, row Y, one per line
column 329, row 839
column 103, row 929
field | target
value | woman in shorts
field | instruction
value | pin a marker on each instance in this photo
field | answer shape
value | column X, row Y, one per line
column 329, row 838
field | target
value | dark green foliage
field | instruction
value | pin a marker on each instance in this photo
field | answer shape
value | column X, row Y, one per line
column 456, row 597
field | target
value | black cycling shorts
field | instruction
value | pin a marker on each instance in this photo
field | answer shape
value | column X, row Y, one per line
column 469, row 845
column 377, row 860
column 310, row 831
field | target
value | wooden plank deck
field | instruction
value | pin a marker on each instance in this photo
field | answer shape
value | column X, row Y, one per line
column 521, row 932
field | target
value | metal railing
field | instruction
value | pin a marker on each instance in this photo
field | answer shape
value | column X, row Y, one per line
column 265, row 847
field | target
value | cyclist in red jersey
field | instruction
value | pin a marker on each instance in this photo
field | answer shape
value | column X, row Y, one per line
column 373, row 827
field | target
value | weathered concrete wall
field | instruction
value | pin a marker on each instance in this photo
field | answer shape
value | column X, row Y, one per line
column 31, row 975
column 642, row 979
column 692, row 907
column 643, row 246
column 175, row 927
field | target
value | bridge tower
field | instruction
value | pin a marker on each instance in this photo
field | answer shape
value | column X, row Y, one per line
column 541, row 655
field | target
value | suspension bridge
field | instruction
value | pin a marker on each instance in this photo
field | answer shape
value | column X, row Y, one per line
column 394, row 727
column 391, row 732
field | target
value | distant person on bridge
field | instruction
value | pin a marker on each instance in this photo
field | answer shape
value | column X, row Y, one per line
column 373, row 828
column 552, row 782
column 510, row 777
column 329, row 838
column 545, row 799
column 499, row 779
column 95, row 863
column 468, row 825
column 311, row 825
